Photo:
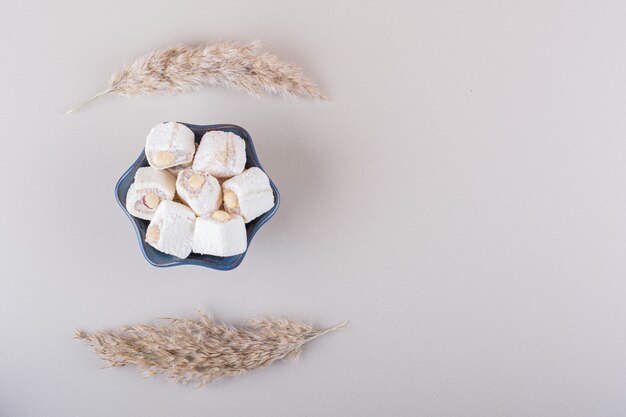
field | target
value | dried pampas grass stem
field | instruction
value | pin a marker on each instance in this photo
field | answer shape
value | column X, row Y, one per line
column 186, row 68
column 201, row 351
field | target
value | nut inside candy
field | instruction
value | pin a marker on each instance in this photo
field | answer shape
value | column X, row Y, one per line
column 230, row 200
column 153, row 233
column 220, row 215
column 151, row 200
column 196, row 181
column 163, row 158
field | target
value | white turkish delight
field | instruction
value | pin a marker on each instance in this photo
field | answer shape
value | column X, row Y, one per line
column 220, row 234
column 221, row 154
column 248, row 194
column 171, row 229
column 151, row 186
column 199, row 190
column 170, row 144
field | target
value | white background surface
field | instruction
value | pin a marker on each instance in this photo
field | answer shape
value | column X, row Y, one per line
column 460, row 200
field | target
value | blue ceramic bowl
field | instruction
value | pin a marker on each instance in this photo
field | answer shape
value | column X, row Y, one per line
column 161, row 259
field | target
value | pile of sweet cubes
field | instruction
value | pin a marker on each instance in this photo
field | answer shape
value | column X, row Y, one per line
column 197, row 200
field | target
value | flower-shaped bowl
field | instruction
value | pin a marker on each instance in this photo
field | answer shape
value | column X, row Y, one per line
column 161, row 259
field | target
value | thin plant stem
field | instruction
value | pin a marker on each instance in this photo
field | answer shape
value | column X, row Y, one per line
column 340, row 326
column 89, row 100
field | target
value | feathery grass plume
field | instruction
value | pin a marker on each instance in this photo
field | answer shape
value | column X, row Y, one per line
column 200, row 351
column 232, row 64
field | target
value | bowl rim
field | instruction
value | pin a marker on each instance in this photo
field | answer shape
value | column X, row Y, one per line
column 264, row 218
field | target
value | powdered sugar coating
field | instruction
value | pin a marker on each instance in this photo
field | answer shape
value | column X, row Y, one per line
column 221, row 154
column 220, row 238
column 171, row 137
column 254, row 193
column 149, row 180
column 203, row 200
column 175, row 224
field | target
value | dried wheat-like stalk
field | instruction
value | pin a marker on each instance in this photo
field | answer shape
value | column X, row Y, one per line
column 200, row 351
column 186, row 68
